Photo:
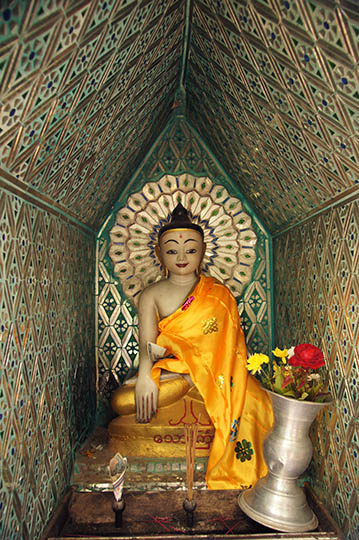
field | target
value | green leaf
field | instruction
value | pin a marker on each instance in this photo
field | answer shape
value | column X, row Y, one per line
column 289, row 393
column 278, row 381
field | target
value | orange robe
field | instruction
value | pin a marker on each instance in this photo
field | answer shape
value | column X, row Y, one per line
column 207, row 340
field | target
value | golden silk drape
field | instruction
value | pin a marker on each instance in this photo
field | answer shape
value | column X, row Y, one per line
column 206, row 339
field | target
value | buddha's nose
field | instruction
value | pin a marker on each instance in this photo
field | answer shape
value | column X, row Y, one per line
column 181, row 255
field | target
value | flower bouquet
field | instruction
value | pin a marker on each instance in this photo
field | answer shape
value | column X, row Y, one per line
column 294, row 373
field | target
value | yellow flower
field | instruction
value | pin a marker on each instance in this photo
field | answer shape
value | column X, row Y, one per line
column 255, row 362
column 281, row 354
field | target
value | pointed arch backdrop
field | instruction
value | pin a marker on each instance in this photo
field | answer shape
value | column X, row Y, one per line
column 238, row 252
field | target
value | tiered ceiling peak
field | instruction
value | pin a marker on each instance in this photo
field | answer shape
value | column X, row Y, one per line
column 271, row 87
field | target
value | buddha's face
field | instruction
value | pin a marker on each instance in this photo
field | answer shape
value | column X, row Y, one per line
column 181, row 251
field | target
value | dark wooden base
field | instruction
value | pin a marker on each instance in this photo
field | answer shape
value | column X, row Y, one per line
column 160, row 514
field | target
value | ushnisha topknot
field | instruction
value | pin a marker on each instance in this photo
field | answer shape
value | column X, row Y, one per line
column 180, row 220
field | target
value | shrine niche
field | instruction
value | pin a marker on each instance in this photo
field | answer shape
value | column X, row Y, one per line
column 100, row 98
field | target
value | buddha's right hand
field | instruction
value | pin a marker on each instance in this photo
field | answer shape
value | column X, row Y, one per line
column 146, row 395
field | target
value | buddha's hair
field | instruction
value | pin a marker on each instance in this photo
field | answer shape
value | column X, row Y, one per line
column 180, row 220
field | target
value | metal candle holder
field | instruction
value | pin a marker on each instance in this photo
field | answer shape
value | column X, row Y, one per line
column 189, row 507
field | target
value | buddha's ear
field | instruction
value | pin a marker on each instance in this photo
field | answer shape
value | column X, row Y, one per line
column 203, row 250
column 158, row 253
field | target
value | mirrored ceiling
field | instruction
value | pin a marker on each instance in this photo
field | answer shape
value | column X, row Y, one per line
column 271, row 86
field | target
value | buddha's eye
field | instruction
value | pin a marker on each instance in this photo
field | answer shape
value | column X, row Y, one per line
column 192, row 250
column 171, row 252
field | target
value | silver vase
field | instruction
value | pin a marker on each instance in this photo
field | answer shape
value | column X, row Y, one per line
column 276, row 500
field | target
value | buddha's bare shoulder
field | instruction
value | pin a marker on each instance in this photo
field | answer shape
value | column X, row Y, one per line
column 151, row 292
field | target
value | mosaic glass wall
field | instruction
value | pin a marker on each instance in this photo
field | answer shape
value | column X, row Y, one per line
column 178, row 150
column 82, row 85
column 273, row 90
column 47, row 366
column 317, row 301
column 272, row 87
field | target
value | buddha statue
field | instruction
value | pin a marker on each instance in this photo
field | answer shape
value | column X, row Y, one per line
column 192, row 367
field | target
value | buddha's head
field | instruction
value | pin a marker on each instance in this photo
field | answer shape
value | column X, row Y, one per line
column 181, row 244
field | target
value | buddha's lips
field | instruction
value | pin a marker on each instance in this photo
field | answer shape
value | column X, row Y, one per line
column 182, row 265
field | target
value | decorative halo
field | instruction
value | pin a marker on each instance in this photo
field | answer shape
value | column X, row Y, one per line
column 230, row 251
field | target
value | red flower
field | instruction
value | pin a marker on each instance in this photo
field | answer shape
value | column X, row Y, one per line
column 307, row 356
